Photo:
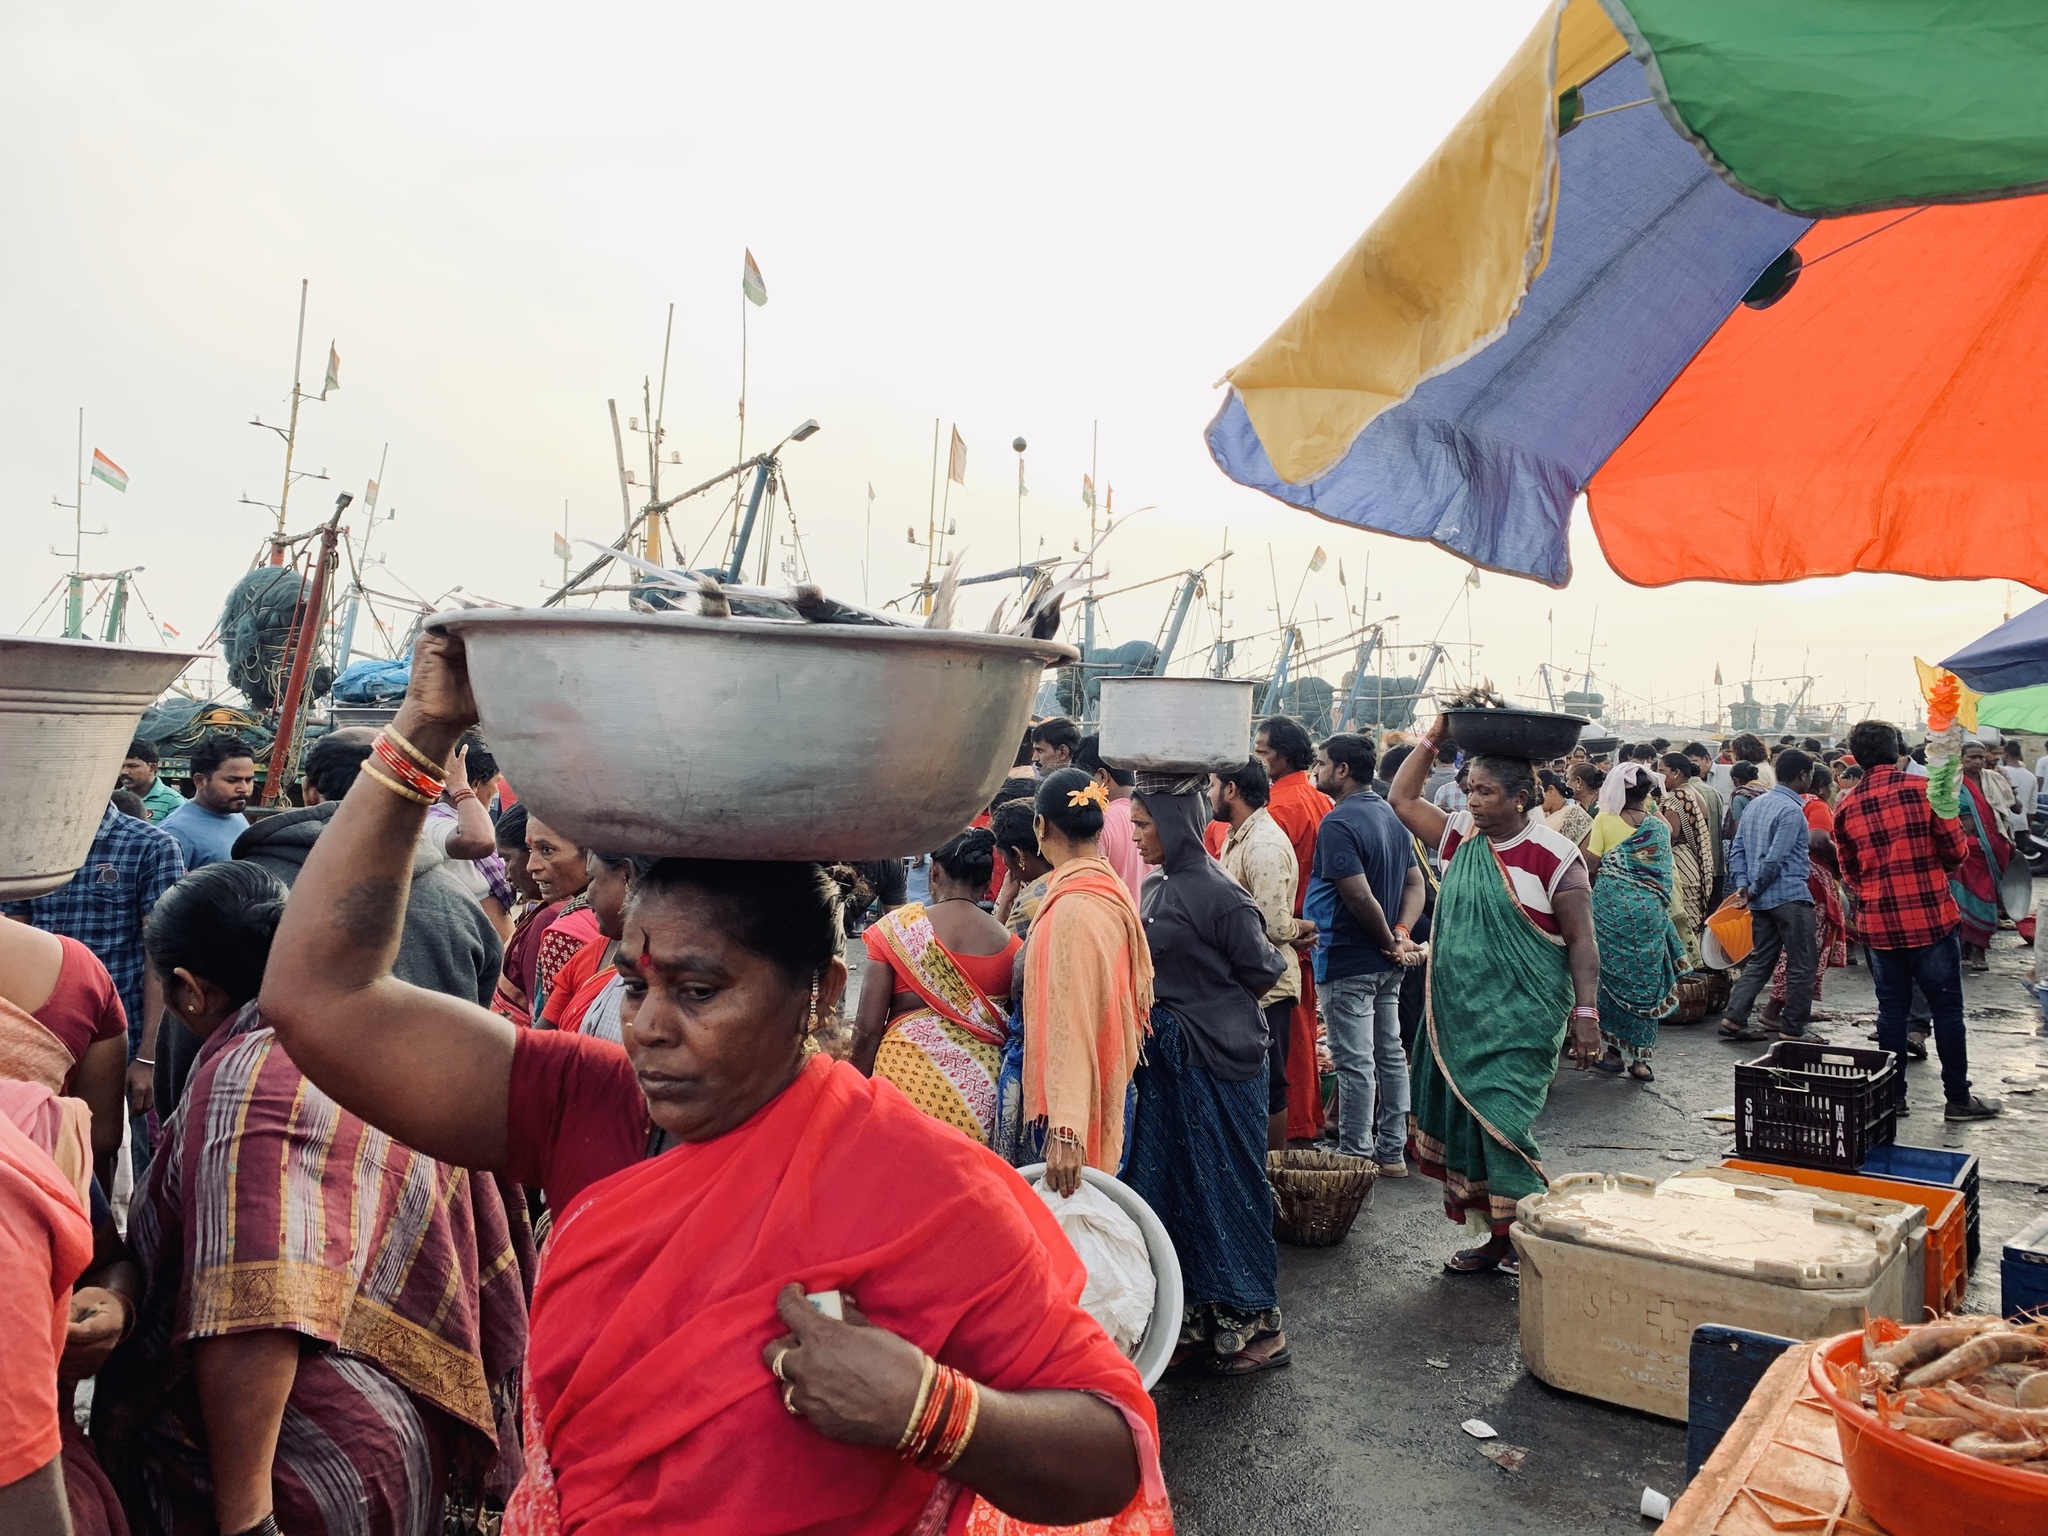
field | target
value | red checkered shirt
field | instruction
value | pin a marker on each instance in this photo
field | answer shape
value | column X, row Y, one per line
column 1896, row 855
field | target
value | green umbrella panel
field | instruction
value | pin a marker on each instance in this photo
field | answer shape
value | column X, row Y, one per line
column 1826, row 107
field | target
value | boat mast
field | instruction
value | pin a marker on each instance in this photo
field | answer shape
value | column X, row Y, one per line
column 74, row 582
column 291, row 434
column 652, row 548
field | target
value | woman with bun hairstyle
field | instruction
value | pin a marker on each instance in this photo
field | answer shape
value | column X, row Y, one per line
column 1087, row 992
column 934, row 1000
column 331, row 1324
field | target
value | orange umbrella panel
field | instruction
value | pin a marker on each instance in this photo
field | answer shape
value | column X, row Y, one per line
column 1888, row 413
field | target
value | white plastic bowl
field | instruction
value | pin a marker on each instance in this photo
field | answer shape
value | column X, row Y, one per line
column 1155, row 1351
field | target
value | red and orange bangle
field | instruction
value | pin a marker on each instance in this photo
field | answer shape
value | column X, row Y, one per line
column 413, row 752
column 406, row 770
column 370, row 771
column 942, row 1420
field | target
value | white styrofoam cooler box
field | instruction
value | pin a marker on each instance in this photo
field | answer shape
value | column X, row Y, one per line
column 1617, row 1271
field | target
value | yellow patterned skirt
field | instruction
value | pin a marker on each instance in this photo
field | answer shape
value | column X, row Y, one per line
column 945, row 1070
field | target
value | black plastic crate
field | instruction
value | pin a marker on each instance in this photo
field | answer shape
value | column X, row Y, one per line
column 1816, row 1106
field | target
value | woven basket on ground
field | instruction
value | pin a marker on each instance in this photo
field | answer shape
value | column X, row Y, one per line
column 1317, row 1195
column 1701, row 993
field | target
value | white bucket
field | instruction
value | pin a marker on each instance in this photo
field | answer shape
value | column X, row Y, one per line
column 1176, row 724
column 1155, row 1353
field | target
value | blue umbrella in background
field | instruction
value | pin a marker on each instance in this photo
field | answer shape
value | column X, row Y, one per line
column 2010, row 667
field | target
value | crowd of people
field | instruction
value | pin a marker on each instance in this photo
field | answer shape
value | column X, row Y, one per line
column 390, row 1159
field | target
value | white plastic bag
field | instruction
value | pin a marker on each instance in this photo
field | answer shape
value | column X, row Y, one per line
column 1121, row 1286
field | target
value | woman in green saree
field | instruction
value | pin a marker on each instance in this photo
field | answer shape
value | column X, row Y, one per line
column 1641, row 953
column 1513, row 965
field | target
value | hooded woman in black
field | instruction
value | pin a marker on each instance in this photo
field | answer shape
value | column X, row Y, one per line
column 1198, row 1150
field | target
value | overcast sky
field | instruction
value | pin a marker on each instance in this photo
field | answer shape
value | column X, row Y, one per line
column 1023, row 221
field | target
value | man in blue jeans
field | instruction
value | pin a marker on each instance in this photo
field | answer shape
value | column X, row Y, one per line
column 1364, row 869
column 1897, row 856
column 1768, row 865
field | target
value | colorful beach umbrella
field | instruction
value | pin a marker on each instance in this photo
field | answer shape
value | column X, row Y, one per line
column 2014, row 655
column 1628, row 309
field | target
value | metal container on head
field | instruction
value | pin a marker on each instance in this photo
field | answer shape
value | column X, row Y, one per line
column 675, row 734
column 1176, row 724
column 68, row 709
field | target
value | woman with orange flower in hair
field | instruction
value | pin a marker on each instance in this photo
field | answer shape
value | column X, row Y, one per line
column 1087, row 993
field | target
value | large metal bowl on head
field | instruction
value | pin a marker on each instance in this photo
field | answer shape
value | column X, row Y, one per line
column 1536, row 734
column 708, row 738
column 68, row 709
column 1176, row 724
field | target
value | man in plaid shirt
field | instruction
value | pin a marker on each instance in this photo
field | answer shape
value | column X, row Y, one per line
column 131, row 864
column 1896, row 856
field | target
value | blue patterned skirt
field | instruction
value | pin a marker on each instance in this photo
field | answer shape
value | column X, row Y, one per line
column 1198, row 1158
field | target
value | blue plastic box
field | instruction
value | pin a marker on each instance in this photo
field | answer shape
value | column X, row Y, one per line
column 1723, row 1365
column 1939, row 1166
column 2023, row 1277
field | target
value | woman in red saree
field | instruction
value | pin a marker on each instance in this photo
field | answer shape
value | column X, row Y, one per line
column 704, row 1183
column 934, row 1002
column 62, row 1025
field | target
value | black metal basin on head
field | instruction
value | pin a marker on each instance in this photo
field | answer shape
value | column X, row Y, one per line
column 1535, row 734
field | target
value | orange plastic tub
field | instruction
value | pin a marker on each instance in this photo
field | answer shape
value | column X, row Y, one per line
column 1948, row 1221
column 1913, row 1486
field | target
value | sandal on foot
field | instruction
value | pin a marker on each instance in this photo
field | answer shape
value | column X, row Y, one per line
column 1471, row 1261
column 1246, row 1361
column 1611, row 1064
column 1747, row 1033
column 1642, row 1072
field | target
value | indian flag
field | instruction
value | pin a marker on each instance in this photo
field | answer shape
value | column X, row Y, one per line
column 750, row 281
column 104, row 468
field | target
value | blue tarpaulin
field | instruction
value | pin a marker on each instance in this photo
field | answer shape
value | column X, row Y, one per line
column 373, row 682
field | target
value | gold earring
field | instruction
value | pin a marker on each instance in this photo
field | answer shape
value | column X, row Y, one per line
column 814, row 999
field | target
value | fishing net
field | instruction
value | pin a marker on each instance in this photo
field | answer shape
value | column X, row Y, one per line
column 176, row 725
column 256, row 627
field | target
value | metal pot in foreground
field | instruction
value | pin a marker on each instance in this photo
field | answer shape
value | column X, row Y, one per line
column 748, row 738
column 68, row 709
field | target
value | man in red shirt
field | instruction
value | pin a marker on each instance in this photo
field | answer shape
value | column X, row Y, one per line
column 1896, row 855
column 1299, row 807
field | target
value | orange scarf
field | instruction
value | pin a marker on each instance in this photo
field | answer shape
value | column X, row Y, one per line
column 1087, row 1002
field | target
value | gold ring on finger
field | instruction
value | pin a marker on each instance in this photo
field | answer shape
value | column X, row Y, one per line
column 789, row 1399
column 775, row 1365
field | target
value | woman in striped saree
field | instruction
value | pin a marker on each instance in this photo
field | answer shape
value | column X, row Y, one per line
column 332, row 1324
column 1694, row 837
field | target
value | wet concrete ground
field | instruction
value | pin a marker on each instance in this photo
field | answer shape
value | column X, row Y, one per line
column 1391, row 1354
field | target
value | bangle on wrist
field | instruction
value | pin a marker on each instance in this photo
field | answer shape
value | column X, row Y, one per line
column 267, row 1526
column 143, row 1061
